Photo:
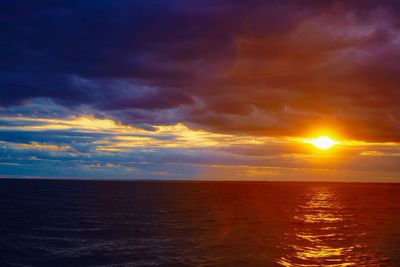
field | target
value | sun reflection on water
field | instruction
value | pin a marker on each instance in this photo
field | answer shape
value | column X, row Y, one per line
column 318, row 240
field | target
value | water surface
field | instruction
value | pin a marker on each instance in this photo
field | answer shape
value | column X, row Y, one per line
column 82, row 223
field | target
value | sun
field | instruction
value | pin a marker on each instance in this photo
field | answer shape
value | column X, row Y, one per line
column 322, row 142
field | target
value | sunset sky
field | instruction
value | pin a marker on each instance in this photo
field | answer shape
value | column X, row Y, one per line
column 215, row 90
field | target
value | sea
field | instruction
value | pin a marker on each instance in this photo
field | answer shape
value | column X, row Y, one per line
column 159, row 223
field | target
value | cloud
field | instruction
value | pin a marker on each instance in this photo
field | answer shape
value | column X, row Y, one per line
column 38, row 146
column 268, row 68
column 158, row 87
column 92, row 147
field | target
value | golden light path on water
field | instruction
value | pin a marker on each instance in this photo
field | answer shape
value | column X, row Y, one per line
column 324, row 236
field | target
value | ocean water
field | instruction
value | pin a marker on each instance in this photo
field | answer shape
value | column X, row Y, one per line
column 81, row 223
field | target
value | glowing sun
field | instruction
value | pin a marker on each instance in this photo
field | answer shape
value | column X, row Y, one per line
column 322, row 142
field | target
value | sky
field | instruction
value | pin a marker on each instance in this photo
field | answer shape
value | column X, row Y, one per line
column 200, row 90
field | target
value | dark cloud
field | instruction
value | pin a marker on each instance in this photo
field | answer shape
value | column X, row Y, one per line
column 260, row 67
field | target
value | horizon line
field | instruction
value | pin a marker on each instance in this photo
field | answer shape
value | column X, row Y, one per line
column 188, row 180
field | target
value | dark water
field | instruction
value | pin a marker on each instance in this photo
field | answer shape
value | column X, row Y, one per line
column 76, row 223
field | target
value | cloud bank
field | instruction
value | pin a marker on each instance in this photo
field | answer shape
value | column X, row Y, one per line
column 256, row 70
